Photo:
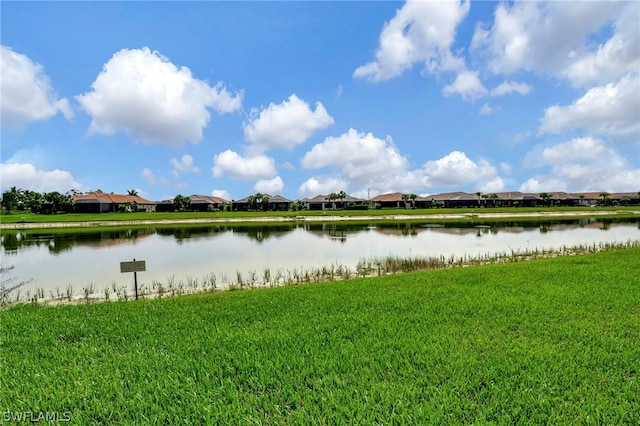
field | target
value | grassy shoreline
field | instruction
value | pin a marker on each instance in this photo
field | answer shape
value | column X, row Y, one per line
column 550, row 341
column 366, row 267
column 75, row 220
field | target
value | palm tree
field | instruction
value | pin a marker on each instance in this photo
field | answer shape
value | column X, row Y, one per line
column 413, row 200
column 12, row 199
column 181, row 203
column 405, row 197
column 33, row 201
column 132, row 192
column 342, row 195
column 251, row 201
column 605, row 198
column 265, row 202
column 333, row 197
column 545, row 196
column 257, row 199
column 478, row 194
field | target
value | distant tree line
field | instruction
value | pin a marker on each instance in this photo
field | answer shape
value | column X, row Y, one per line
column 17, row 200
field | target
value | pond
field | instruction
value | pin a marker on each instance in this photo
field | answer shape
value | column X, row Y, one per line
column 54, row 260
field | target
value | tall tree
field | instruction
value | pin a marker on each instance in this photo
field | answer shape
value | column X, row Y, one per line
column 257, row 200
column 413, row 200
column 33, row 201
column 545, row 196
column 181, row 203
column 265, row 202
column 404, row 197
column 250, row 202
column 342, row 195
column 12, row 199
column 333, row 197
column 132, row 192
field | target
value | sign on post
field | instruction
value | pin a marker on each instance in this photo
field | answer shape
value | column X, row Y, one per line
column 135, row 267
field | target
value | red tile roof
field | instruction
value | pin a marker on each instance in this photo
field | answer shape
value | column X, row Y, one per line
column 102, row 197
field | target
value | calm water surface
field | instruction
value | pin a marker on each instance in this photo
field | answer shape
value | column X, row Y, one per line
column 55, row 260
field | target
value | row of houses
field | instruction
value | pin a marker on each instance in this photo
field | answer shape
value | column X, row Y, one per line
column 99, row 202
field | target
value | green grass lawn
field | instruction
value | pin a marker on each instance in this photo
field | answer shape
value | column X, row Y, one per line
column 94, row 217
column 551, row 341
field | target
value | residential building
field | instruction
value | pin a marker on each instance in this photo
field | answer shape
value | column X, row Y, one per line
column 101, row 202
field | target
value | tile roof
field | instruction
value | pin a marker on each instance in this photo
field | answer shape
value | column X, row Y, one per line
column 207, row 199
column 453, row 196
column 102, row 197
column 394, row 196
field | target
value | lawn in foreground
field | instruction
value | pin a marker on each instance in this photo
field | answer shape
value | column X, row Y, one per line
column 551, row 341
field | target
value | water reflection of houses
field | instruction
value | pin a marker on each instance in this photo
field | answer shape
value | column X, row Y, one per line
column 261, row 233
column 399, row 229
column 335, row 231
column 12, row 241
column 191, row 232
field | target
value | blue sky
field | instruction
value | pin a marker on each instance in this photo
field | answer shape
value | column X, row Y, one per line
column 307, row 98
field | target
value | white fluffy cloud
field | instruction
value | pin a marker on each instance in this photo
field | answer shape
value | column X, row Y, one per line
column 552, row 37
column 26, row 92
column 26, row 176
column 509, row 87
column 613, row 58
column 494, row 185
column 184, row 165
column 540, row 184
column 421, row 32
column 361, row 164
column 456, row 169
column 285, row 125
column 612, row 109
column 365, row 165
column 142, row 93
column 323, row 185
column 269, row 186
column 359, row 157
column 230, row 163
column 221, row 193
column 467, row 84
column 583, row 164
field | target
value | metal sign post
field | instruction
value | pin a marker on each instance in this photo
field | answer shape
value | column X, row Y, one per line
column 135, row 267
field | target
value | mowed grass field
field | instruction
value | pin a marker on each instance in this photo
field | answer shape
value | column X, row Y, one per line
column 24, row 217
column 550, row 341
